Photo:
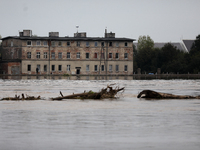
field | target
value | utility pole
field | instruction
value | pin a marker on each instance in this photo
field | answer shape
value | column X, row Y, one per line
column 49, row 43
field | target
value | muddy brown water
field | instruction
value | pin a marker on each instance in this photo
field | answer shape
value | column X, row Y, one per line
column 123, row 123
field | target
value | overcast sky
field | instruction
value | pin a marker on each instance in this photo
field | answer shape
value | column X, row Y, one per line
column 162, row 20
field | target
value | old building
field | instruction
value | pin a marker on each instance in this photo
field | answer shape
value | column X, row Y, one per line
column 27, row 54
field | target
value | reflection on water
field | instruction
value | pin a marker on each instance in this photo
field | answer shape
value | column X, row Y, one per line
column 122, row 123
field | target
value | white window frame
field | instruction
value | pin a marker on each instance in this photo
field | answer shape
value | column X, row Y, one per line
column 110, row 68
column 117, row 44
column 68, row 55
column 29, row 44
column 45, row 54
column 68, row 67
column 95, row 44
column 87, row 44
column 53, row 55
column 38, row 55
column 28, row 54
column 11, row 43
column 87, row 68
column 87, row 57
column 37, row 43
column 78, row 55
column 125, row 55
column 117, row 68
column 45, row 43
column 60, row 55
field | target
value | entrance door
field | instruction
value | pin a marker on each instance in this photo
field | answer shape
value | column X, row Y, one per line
column 78, row 70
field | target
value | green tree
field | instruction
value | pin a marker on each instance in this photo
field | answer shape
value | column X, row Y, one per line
column 145, row 42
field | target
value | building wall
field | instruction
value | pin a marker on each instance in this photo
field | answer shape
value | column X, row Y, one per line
column 18, row 49
column 74, row 65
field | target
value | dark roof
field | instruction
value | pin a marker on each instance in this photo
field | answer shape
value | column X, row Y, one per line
column 188, row 44
column 70, row 38
column 177, row 45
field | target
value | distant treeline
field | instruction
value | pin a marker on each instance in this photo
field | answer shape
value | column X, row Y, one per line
column 168, row 58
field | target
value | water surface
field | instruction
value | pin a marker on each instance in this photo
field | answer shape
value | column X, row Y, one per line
column 123, row 123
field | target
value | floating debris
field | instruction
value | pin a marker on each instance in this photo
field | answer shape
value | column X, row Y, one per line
column 107, row 92
column 157, row 95
column 22, row 98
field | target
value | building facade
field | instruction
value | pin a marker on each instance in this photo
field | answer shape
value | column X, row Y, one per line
column 27, row 54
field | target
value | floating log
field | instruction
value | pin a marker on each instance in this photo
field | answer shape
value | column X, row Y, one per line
column 157, row 95
column 108, row 92
column 22, row 98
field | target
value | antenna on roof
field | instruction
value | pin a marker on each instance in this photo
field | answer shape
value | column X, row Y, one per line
column 77, row 28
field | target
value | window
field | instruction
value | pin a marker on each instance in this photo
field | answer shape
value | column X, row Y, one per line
column 95, row 55
column 45, row 54
column 60, row 55
column 45, row 43
column 28, row 54
column 53, row 43
column 95, row 44
column 117, row 55
column 102, row 55
column 11, row 44
column 87, row 55
column 95, row 68
column 110, row 55
column 102, row 44
column 125, row 44
column 45, row 68
column 68, row 43
column 52, row 55
column 87, row 68
column 78, row 43
column 59, row 67
column 52, row 67
column 38, row 66
column 110, row 67
column 68, row 67
column 29, row 68
column 38, row 55
column 126, row 55
column 87, row 44
column 59, row 43
column 125, row 67
column 117, row 68
column 29, row 43
column 78, row 55
column 102, row 67
column 110, row 43
column 38, row 43
column 68, row 55
column 117, row 44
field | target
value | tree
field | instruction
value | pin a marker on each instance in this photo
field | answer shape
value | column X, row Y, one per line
column 0, row 40
column 145, row 42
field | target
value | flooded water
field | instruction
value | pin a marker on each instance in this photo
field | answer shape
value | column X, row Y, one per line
column 123, row 123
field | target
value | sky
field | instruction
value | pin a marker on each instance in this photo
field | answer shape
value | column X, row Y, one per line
column 162, row 20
